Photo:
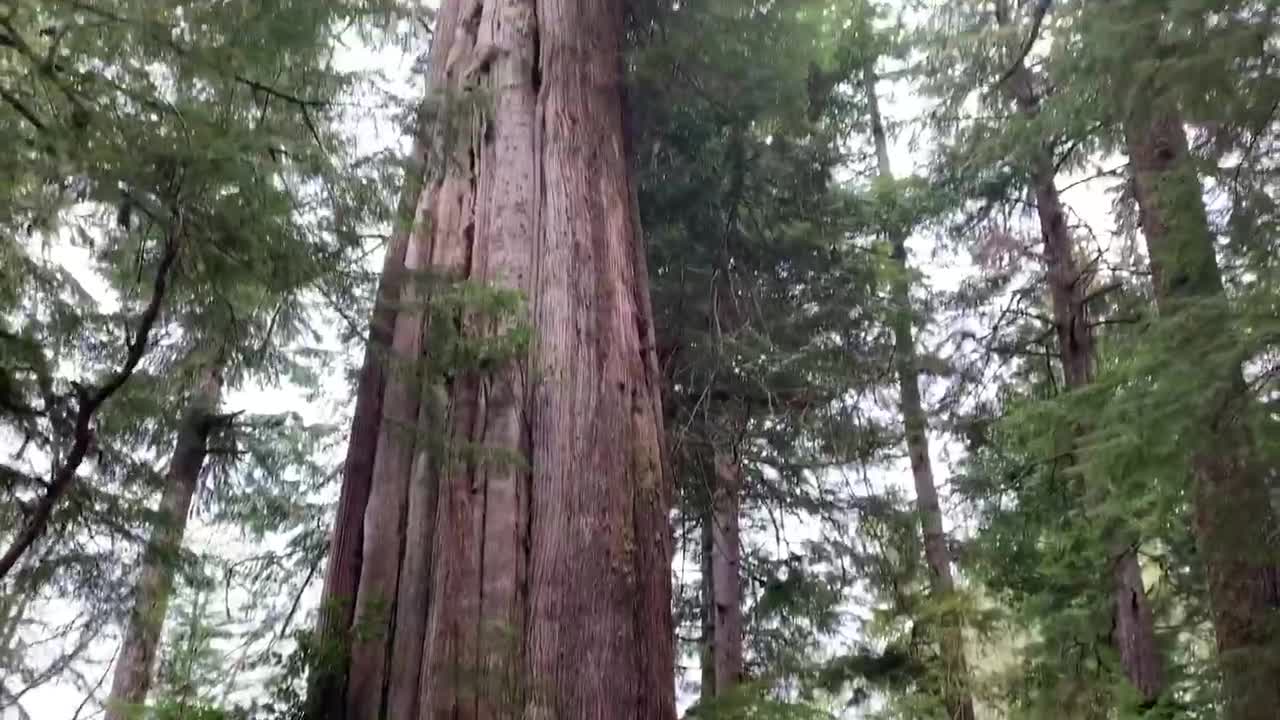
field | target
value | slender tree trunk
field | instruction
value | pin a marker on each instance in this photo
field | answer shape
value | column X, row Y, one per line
column 723, row 583
column 136, row 660
column 956, row 681
column 1233, row 517
column 1133, row 631
column 516, row 552
column 726, row 573
column 723, row 666
column 708, row 689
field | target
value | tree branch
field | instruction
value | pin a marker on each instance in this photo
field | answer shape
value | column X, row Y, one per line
column 1037, row 19
column 16, row 103
column 90, row 400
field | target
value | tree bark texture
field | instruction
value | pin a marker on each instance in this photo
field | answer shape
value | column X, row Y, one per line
column 955, row 671
column 346, row 540
column 327, row 688
column 1133, row 632
column 1233, row 517
column 515, row 556
column 135, row 662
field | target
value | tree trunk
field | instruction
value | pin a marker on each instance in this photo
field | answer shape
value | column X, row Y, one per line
column 136, row 659
column 346, row 542
column 723, row 666
column 955, row 670
column 726, row 573
column 723, row 582
column 1233, row 517
column 708, row 606
column 327, row 685
column 516, row 552
column 1133, row 631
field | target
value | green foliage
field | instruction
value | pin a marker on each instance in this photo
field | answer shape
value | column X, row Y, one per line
column 192, row 666
column 217, row 135
column 759, row 297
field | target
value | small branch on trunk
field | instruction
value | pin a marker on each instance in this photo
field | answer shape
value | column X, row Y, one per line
column 1132, row 320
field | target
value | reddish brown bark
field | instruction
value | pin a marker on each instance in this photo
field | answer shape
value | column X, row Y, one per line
column 346, row 542
column 516, row 549
column 1233, row 517
column 328, row 684
column 136, row 659
column 955, row 668
column 1133, row 632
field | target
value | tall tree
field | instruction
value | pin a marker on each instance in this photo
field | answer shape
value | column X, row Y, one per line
column 747, row 239
column 955, row 669
column 137, row 656
column 1133, row 624
column 723, row 662
column 524, row 522
column 1234, row 519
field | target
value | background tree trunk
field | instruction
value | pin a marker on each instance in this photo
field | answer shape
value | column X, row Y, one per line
column 1133, row 632
column 955, row 669
column 136, row 659
column 1233, row 517
column 521, row 531
column 723, row 581
column 726, row 573
column 707, row 661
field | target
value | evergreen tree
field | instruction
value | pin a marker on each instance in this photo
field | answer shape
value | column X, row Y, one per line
column 204, row 204
column 517, row 503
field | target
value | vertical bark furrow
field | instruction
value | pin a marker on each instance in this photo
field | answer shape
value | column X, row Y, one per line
column 415, row 586
column 328, row 691
column 342, row 574
column 508, row 263
column 385, row 512
column 450, row 683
